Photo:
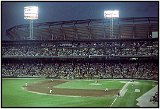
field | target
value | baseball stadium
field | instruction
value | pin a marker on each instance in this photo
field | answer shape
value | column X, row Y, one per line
column 82, row 63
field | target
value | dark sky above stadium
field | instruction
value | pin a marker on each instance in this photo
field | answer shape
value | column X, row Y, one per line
column 13, row 12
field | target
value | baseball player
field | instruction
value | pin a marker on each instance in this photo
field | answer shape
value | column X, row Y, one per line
column 96, row 81
column 118, row 94
column 106, row 89
column 50, row 91
column 26, row 84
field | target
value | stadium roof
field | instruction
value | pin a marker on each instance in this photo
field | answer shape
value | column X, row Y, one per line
column 133, row 28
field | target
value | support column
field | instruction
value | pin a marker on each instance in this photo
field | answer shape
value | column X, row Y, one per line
column 31, row 30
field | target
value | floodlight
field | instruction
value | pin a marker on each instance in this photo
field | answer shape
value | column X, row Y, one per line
column 111, row 13
column 31, row 12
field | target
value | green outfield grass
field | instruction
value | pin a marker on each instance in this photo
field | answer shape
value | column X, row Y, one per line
column 14, row 96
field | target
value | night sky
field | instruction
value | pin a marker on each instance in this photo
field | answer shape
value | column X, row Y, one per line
column 13, row 12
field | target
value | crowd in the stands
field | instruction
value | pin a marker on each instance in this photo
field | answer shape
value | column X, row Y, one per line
column 139, row 48
column 81, row 70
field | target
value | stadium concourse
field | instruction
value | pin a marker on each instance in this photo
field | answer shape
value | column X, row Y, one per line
column 84, row 53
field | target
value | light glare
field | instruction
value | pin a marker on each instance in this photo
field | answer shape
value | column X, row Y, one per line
column 111, row 13
column 31, row 12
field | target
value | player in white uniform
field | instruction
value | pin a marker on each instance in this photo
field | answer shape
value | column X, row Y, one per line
column 106, row 89
column 50, row 91
column 26, row 84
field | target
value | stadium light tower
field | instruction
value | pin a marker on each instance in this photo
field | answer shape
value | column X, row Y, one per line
column 31, row 13
column 111, row 14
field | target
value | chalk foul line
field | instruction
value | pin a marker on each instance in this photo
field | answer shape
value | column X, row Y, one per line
column 114, row 101
column 122, row 90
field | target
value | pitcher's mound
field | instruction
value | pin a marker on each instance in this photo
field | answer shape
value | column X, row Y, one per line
column 95, row 84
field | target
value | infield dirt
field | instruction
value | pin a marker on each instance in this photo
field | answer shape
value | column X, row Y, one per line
column 45, row 86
